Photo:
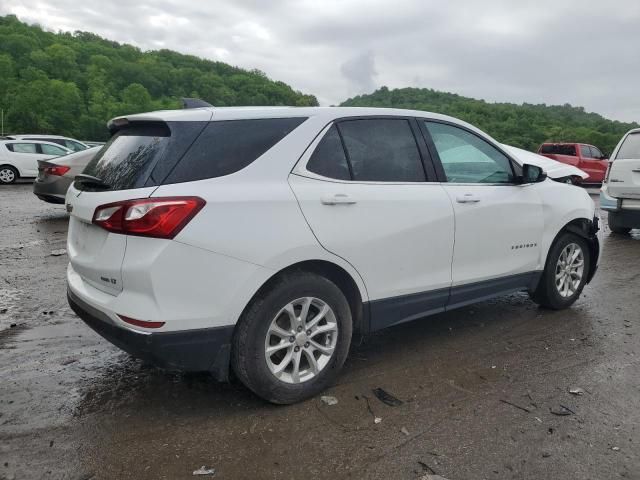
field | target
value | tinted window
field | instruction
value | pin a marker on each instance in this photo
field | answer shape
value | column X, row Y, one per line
column 555, row 149
column 382, row 150
column 329, row 159
column 142, row 154
column 24, row 147
column 466, row 158
column 585, row 151
column 630, row 148
column 224, row 147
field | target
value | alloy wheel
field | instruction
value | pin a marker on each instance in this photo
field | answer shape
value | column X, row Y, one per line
column 301, row 340
column 569, row 270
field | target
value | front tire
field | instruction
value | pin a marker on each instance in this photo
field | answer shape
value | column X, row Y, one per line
column 615, row 227
column 565, row 274
column 293, row 339
column 8, row 174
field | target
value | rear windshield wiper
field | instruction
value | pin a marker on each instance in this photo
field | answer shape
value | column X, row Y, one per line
column 91, row 181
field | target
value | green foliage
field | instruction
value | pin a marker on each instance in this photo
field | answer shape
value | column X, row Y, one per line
column 72, row 84
column 525, row 126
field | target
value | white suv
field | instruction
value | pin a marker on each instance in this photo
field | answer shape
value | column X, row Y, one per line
column 620, row 194
column 263, row 238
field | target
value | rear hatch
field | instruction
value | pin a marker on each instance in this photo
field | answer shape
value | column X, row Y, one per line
column 624, row 174
column 139, row 155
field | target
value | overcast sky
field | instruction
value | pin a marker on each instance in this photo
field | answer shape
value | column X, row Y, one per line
column 584, row 52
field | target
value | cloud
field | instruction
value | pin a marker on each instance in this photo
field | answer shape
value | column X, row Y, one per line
column 549, row 51
column 360, row 72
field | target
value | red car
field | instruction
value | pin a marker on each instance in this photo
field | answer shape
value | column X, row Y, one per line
column 586, row 157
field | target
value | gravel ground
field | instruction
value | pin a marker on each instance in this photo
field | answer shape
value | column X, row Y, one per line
column 479, row 388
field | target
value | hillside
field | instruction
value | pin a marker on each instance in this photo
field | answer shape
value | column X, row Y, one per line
column 73, row 83
column 525, row 126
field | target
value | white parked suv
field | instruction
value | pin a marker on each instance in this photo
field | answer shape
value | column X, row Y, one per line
column 620, row 194
column 261, row 238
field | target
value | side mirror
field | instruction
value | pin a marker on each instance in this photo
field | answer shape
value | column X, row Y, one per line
column 532, row 174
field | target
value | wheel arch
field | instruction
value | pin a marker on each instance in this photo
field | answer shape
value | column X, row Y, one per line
column 586, row 229
column 338, row 275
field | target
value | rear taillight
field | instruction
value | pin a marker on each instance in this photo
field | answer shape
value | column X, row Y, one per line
column 606, row 175
column 57, row 170
column 148, row 217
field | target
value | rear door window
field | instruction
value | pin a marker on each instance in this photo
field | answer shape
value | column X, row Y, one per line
column 382, row 150
column 329, row 159
column 630, row 149
column 24, row 148
column 225, row 147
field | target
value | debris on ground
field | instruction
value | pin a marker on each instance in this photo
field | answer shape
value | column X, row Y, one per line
column 13, row 325
column 576, row 391
column 615, row 449
column 203, row 470
column 562, row 411
column 428, row 476
column 386, row 398
column 377, row 420
column 546, row 454
column 329, row 400
column 58, row 253
column 3, row 310
column 404, row 431
column 68, row 361
column 524, row 409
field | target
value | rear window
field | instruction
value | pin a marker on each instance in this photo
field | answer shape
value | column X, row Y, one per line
column 225, row 147
column 630, row 148
column 152, row 154
column 551, row 149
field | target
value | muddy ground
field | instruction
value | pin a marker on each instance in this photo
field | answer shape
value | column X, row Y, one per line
column 479, row 386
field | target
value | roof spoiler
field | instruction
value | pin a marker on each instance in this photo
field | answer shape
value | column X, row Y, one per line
column 194, row 103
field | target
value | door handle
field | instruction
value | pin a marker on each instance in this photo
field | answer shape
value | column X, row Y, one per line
column 337, row 199
column 467, row 198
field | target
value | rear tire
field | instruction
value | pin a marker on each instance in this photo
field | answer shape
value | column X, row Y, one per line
column 274, row 350
column 8, row 174
column 565, row 273
column 615, row 227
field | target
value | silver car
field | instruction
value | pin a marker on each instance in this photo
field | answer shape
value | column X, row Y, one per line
column 55, row 176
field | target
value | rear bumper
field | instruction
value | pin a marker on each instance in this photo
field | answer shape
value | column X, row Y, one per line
column 51, row 199
column 626, row 218
column 51, row 189
column 205, row 349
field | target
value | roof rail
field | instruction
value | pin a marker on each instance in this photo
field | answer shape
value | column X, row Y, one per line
column 194, row 103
